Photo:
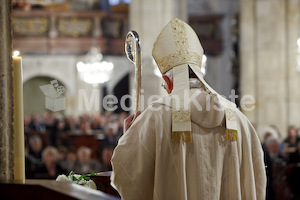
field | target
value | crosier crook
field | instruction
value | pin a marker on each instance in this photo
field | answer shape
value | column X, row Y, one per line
column 133, row 53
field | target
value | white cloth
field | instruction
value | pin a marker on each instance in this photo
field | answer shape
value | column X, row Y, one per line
column 147, row 165
column 194, row 83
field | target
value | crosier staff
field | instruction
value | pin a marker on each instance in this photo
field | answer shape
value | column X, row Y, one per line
column 133, row 53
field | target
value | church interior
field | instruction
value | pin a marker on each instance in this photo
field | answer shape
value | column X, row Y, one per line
column 251, row 56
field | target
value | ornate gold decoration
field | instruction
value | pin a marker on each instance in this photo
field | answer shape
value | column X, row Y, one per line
column 180, row 37
column 231, row 135
column 183, row 53
column 229, row 114
column 33, row 26
column 172, row 60
column 74, row 26
column 176, row 137
column 181, row 116
column 187, row 137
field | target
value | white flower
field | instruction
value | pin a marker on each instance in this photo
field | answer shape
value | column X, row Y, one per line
column 78, row 179
column 90, row 184
column 63, row 178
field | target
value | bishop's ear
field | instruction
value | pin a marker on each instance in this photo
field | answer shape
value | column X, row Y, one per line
column 169, row 84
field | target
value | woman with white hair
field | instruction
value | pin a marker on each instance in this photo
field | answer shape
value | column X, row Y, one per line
column 50, row 168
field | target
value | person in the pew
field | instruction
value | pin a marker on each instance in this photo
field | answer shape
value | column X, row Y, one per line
column 35, row 147
column 106, row 158
column 295, row 156
column 192, row 144
column 71, row 159
column 50, row 168
column 85, row 164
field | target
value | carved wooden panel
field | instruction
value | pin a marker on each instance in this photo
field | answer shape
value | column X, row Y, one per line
column 74, row 26
column 30, row 26
column 69, row 32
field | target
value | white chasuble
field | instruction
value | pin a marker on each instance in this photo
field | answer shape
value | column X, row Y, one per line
column 148, row 165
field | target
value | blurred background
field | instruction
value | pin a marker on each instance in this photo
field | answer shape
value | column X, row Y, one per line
column 251, row 47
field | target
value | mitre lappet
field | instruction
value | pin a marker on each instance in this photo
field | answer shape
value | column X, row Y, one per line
column 177, row 47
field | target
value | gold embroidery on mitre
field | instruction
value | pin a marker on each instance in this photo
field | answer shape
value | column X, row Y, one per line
column 181, row 116
column 180, row 37
column 183, row 52
column 174, row 59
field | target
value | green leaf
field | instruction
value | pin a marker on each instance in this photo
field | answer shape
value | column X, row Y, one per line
column 86, row 177
column 74, row 178
column 71, row 173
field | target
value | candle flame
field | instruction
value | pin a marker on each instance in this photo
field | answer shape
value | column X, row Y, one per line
column 16, row 53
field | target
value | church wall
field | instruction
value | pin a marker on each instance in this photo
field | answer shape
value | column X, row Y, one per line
column 63, row 68
column 268, row 61
column 218, row 73
column 293, row 51
column 34, row 99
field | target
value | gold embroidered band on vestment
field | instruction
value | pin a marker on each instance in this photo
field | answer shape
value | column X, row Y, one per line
column 187, row 137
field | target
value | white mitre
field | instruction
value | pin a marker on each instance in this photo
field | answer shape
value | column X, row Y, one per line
column 177, row 47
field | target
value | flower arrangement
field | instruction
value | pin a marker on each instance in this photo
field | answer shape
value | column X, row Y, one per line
column 83, row 180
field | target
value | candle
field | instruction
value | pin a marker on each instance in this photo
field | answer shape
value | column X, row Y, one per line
column 19, row 158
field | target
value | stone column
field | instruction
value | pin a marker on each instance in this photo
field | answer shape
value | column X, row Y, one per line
column 247, row 46
column 293, row 75
column 148, row 18
column 268, row 61
column 6, row 94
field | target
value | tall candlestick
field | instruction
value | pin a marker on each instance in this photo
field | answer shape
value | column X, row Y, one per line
column 18, row 119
